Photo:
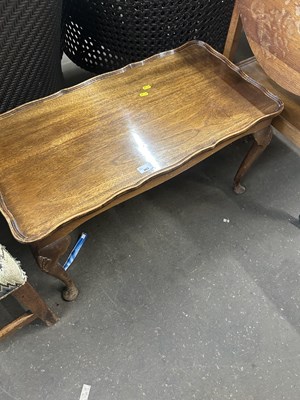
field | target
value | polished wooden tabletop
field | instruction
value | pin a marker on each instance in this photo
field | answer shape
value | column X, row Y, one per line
column 71, row 153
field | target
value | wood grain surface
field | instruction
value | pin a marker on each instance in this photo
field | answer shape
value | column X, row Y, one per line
column 16, row 324
column 233, row 34
column 272, row 28
column 69, row 156
column 288, row 122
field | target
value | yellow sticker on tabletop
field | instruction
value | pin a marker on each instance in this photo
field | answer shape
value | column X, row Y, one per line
column 143, row 94
column 147, row 87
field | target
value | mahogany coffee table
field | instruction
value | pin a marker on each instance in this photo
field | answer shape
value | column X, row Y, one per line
column 75, row 154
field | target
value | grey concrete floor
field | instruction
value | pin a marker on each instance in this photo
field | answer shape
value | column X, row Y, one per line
column 174, row 302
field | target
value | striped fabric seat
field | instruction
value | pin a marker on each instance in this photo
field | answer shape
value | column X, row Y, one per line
column 11, row 274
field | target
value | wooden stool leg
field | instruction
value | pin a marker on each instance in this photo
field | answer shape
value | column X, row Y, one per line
column 47, row 258
column 37, row 308
column 30, row 299
column 18, row 323
column 261, row 141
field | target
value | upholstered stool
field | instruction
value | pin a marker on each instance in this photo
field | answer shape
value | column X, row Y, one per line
column 13, row 280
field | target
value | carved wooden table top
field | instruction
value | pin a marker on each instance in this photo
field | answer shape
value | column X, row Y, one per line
column 76, row 153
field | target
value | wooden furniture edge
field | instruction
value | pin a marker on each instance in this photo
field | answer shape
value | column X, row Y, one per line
column 233, row 34
column 280, row 122
column 289, row 131
column 18, row 323
column 137, row 64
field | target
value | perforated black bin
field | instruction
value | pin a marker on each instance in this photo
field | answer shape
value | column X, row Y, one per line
column 103, row 35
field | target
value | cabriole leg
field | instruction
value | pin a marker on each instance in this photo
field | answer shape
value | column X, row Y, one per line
column 261, row 141
column 47, row 258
